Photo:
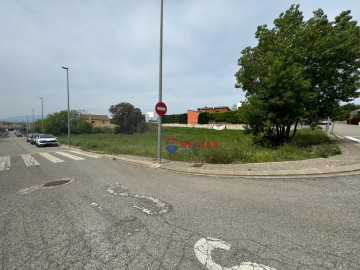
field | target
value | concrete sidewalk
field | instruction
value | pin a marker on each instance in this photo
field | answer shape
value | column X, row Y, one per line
column 347, row 163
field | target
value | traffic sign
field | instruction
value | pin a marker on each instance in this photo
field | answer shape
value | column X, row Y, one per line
column 160, row 108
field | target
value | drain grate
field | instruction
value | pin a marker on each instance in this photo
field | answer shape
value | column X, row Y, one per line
column 57, row 183
column 198, row 165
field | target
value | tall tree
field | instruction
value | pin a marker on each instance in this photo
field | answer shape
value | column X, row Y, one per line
column 299, row 71
column 126, row 117
column 57, row 123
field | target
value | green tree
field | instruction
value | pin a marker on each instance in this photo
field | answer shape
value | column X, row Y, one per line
column 57, row 123
column 350, row 107
column 127, row 118
column 299, row 71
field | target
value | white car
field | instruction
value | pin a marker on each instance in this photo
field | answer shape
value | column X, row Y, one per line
column 46, row 139
column 324, row 122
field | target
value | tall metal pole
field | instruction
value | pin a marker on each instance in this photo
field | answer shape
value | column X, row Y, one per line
column 32, row 128
column 42, row 115
column 27, row 125
column 160, row 81
column 68, row 101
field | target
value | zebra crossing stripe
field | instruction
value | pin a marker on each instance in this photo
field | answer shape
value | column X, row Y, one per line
column 51, row 158
column 4, row 163
column 29, row 160
column 84, row 154
column 69, row 156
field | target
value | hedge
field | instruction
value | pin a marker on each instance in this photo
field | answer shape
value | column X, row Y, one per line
column 175, row 118
column 232, row 117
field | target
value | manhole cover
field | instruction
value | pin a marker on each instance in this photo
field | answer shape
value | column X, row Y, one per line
column 58, row 182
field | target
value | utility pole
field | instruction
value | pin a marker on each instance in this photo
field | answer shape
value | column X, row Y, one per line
column 27, row 125
column 68, row 103
column 42, row 115
column 32, row 121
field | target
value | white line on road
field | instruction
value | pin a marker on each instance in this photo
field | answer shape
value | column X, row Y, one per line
column 69, row 156
column 205, row 246
column 51, row 158
column 84, row 154
column 4, row 163
column 29, row 160
column 352, row 138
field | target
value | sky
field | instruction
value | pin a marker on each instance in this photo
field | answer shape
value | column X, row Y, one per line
column 111, row 48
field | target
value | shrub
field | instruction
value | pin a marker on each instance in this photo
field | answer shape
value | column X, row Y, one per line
column 107, row 130
column 204, row 118
column 232, row 117
column 175, row 118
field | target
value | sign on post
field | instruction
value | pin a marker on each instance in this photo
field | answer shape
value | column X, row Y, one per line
column 160, row 108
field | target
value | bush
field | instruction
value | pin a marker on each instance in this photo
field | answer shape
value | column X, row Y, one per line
column 309, row 136
column 204, row 118
column 107, row 130
column 182, row 118
column 81, row 127
column 175, row 118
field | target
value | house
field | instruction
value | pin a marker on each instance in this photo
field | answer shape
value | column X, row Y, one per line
column 354, row 112
column 354, row 120
column 214, row 109
column 97, row 120
column 151, row 117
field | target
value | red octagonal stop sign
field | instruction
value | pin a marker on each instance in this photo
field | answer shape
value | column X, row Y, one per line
column 160, row 108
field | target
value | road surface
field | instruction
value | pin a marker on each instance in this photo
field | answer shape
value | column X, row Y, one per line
column 114, row 215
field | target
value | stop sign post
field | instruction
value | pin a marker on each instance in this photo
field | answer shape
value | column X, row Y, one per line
column 160, row 108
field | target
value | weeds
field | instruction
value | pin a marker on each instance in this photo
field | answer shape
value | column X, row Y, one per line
column 233, row 146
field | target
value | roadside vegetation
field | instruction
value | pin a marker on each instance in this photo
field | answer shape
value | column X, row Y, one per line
column 298, row 73
column 234, row 146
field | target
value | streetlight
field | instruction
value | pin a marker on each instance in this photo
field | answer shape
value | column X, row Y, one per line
column 160, row 80
column 67, row 77
column 42, row 115
column 33, row 121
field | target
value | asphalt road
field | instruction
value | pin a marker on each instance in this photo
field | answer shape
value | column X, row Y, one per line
column 345, row 130
column 113, row 215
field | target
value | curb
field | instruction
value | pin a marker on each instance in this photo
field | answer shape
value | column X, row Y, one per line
column 353, row 169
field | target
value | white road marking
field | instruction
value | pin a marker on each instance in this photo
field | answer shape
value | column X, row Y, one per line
column 51, row 158
column 352, row 138
column 84, row 154
column 29, row 160
column 69, row 156
column 143, row 209
column 125, row 194
column 205, row 246
column 161, row 207
column 96, row 205
column 4, row 163
column 164, row 208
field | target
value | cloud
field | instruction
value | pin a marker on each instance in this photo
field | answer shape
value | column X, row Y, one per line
column 112, row 51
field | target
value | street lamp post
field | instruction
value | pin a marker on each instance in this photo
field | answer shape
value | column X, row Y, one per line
column 68, row 101
column 42, row 115
column 32, row 128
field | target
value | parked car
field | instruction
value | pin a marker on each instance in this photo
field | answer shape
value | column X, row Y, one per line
column 325, row 121
column 33, row 138
column 46, row 139
column 28, row 138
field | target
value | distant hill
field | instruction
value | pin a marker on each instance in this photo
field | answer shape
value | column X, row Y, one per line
column 22, row 119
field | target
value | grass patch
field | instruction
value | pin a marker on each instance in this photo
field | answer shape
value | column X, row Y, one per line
column 233, row 145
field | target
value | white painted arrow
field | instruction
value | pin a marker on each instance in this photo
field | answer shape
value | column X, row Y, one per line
column 205, row 246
